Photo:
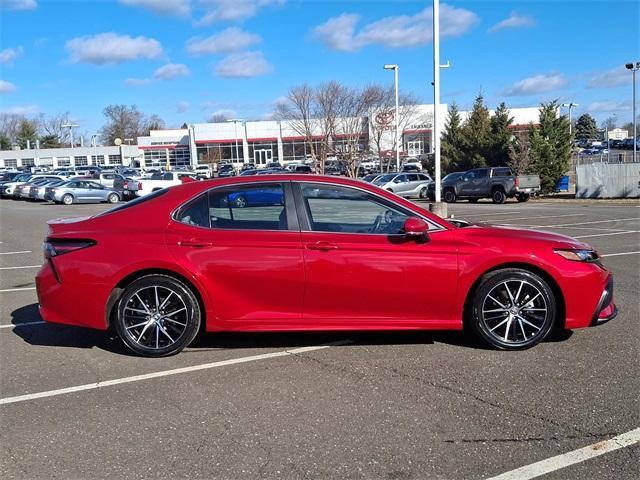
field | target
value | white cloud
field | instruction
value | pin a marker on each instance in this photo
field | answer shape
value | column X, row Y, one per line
column 21, row 110
column 179, row 8
column 19, row 4
column 244, row 64
column 536, row 84
column 229, row 40
column 182, row 107
column 513, row 21
column 339, row 33
column 608, row 106
column 226, row 113
column 610, row 78
column 232, row 10
column 111, row 48
column 137, row 82
column 8, row 55
column 7, row 87
column 171, row 71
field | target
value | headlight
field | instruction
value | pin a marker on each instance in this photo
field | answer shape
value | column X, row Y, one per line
column 579, row 255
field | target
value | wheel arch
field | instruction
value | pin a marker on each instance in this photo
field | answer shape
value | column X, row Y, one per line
column 555, row 287
column 117, row 290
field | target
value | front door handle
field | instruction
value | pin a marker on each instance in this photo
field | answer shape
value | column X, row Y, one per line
column 195, row 243
column 324, row 246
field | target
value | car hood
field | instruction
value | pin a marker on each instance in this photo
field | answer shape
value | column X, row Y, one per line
column 504, row 233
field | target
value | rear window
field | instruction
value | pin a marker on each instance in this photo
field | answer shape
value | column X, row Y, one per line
column 135, row 202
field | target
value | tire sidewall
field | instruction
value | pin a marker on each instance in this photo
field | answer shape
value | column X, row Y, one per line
column 67, row 196
column 495, row 278
column 449, row 196
column 498, row 196
column 193, row 322
column 113, row 196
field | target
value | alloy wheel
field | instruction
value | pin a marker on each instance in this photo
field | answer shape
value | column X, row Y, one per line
column 515, row 312
column 155, row 317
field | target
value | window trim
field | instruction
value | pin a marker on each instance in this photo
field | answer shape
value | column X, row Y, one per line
column 289, row 205
column 303, row 215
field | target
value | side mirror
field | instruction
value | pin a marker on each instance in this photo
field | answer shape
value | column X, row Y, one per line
column 415, row 227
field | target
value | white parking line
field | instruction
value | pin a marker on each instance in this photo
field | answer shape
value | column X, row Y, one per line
column 17, row 289
column 606, row 234
column 15, row 253
column 618, row 254
column 165, row 373
column 18, row 268
column 14, row 325
column 541, row 216
column 571, row 458
column 588, row 223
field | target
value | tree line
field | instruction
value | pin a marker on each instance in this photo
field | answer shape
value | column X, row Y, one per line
column 483, row 140
column 121, row 121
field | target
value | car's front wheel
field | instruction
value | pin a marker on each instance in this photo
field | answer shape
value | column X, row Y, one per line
column 513, row 309
column 157, row 316
column 113, row 198
column 449, row 196
column 423, row 192
column 67, row 199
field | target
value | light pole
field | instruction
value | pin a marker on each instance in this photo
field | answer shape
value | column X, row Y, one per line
column 235, row 130
column 70, row 126
column 93, row 144
column 570, row 106
column 128, row 140
column 395, row 69
column 634, row 69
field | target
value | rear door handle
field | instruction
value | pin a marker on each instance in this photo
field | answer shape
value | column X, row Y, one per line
column 324, row 246
column 195, row 243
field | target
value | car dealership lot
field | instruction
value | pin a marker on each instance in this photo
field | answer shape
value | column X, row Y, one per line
column 405, row 405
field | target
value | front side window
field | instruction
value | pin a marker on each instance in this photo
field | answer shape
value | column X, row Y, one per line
column 333, row 208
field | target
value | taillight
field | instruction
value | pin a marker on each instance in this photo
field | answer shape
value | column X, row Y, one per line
column 139, row 185
column 55, row 247
column 517, row 182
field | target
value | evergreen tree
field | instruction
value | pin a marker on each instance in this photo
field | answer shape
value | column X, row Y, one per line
column 550, row 146
column 50, row 141
column 586, row 128
column 27, row 132
column 502, row 140
column 476, row 135
column 451, row 145
column 5, row 142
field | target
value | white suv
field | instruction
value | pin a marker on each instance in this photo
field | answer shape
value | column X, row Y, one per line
column 405, row 184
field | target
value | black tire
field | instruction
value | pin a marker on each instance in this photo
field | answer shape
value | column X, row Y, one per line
column 67, row 199
column 240, row 202
column 523, row 197
column 140, row 332
column 498, row 196
column 449, row 196
column 493, row 318
column 423, row 192
column 113, row 198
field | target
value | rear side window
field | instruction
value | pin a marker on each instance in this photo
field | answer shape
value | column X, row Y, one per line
column 136, row 202
column 502, row 172
column 196, row 212
column 248, row 207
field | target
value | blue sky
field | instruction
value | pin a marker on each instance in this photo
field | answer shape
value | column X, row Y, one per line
column 187, row 59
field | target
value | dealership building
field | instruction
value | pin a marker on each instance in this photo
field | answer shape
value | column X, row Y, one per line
column 260, row 142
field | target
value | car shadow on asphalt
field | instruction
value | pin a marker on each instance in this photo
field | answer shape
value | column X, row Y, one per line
column 78, row 337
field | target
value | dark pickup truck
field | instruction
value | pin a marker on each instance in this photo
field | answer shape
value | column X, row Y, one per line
column 497, row 183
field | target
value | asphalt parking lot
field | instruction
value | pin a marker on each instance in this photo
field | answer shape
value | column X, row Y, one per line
column 351, row 405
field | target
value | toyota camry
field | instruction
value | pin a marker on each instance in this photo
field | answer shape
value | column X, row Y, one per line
column 303, row 253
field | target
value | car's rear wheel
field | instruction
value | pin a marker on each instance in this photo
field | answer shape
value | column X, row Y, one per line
column 67, row 199
column 449, row 196
column 113, row 198
column 423, row 192
column 157, row 316
column 498, row 196
column 240, row 202
column 523, row 197
column 513, row 309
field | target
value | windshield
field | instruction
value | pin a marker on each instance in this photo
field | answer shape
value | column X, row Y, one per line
column 453, row 176
column 385, row 178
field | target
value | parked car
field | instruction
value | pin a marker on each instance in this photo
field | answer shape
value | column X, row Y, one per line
column 298, row 168
column 157, row 181
column 449, row 178
column 247, row 166
column 110, row 180
column 227, row 170
column 274, row 166
column 247, row 173
column 404, row 184
column 38, row 192
column 497, row 183
column 335, row 167
column 184, row 258
column 204, row 171
column 81, row 191
column 370, row 178
column 7, row 188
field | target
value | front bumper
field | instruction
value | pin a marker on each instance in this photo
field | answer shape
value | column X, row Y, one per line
column 606, row 309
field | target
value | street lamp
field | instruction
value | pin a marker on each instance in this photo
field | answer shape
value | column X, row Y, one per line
column 395, row 69
column 128, row 140
column 93, row 144
column 634, row 69
column 70, row 126
column 570, row 106
column 235, row 130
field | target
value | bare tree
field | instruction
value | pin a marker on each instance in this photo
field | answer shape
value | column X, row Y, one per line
column 299, row 110
column 10, row 126
column 328, row 98
column 519, row 152
column 219, row 118
column 52, row 132
column 125, row 121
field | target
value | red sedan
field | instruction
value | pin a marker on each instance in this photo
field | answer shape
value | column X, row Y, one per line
column 300, row 252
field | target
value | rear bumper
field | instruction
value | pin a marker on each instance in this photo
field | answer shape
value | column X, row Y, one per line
column 79, row 304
